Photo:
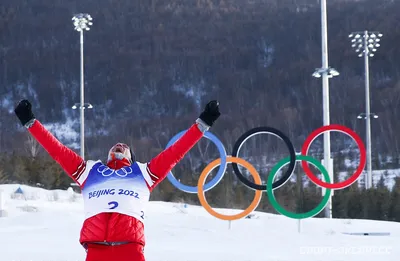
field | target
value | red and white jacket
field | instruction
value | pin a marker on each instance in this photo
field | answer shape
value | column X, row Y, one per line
column 115, row 227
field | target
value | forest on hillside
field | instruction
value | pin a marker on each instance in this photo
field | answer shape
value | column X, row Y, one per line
column 150, row 67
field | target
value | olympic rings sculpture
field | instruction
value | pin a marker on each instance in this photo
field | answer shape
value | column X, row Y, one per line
column 201, row 187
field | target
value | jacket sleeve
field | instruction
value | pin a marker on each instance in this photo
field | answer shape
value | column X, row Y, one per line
column 71, row 162
column 159, row 167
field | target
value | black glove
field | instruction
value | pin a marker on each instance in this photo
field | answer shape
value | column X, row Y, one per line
column 210, row 113
column 24, row 112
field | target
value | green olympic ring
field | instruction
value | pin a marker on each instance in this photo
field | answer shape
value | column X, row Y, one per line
column 275, row 203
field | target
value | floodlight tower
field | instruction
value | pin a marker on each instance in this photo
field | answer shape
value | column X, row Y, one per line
column 81, row 24
column 326, row 72
column 366, row 44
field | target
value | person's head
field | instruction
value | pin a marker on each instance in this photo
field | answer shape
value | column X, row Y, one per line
column 120, row 153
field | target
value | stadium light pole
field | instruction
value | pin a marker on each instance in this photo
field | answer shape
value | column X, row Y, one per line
column 81, row 24
column 366, row 44
column 326, row 72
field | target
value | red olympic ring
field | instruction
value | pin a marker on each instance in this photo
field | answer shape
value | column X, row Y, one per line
column 352, row 134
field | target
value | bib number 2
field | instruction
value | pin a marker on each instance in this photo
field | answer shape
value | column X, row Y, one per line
column 114, row 205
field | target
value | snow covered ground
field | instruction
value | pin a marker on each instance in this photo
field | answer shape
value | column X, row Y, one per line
column 45, row 225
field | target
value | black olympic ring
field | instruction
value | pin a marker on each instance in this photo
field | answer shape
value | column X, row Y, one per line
column 269, row 130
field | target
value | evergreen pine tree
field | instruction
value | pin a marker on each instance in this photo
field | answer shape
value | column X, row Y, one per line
column 383, row 200
column 394, row 210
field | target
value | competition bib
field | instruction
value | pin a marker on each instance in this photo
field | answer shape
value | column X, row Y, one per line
column 123, row 191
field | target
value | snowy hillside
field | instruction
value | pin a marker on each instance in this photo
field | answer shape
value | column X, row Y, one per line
column 44, row 226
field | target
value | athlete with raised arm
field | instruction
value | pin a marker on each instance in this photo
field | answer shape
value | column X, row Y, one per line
column 115, row 194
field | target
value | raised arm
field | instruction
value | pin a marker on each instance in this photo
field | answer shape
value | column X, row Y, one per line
column 161, row 165
column 71, row 162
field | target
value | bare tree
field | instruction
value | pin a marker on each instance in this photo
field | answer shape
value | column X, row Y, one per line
column 3, row 177
column 32, row 146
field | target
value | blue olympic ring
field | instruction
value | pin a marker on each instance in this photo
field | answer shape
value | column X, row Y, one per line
column 215, row 180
